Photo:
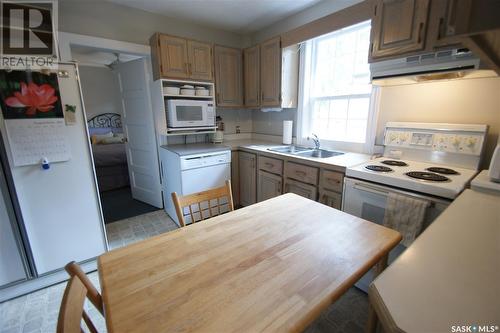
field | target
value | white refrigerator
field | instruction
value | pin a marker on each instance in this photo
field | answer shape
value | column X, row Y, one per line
column 49, row 216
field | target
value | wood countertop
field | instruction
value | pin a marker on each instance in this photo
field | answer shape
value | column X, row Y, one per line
column 272, row 266
column 450, row 275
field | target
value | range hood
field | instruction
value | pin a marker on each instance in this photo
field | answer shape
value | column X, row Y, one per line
column 448, row 64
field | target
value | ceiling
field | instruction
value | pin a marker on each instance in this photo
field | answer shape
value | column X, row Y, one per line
column 239, row 16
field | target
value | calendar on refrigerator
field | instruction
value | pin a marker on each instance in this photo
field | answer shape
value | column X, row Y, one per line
column 32, row 140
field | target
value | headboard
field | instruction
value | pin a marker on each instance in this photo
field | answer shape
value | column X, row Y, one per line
column 105, row 120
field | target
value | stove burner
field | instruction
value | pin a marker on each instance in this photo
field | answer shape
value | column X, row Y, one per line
column 433, row 177
column 444, row 171
column 395, row 163
column 378, row 168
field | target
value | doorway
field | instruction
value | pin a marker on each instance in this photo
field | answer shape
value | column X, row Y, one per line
column 105, row 98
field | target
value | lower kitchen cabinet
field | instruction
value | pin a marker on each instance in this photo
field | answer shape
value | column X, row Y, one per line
column 329, row 198
column 269, row 186
column 235, row 178
column 248, row 174
column 304, row 190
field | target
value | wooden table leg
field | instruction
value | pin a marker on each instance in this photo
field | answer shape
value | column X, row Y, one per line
column 371, row 326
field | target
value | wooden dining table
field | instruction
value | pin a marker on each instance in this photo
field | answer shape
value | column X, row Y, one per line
column 272, row 266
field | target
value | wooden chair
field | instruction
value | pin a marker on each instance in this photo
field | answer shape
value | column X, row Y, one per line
column 93, row 295
column 196, row 199
column 72, row 312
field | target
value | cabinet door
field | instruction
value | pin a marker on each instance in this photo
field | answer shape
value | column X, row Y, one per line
column 235, row 178
column 173, row 57
column 269, row 186
column 468, row 17
column 329, row 198
column 270, row 73
column 248, row 174
column 304, row 190
column 398, row 27
column 251, row 63
column 228, row 76
column 200, row 60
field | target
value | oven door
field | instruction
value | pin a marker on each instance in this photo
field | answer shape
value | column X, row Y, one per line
column 187, row 114
column 368, row 201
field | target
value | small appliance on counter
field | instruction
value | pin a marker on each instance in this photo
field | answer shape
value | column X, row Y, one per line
column 218, row 136
column 488, row 181
column 494, row 171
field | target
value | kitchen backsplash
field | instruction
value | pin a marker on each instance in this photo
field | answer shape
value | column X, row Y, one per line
column 271, row 123
column 256, row 121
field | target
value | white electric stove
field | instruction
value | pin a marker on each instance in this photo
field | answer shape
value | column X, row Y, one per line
column 432, row 162
column 422, row 177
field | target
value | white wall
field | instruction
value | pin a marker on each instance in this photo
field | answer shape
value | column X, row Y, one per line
column 310, row 14
column 100, row 89
column 472, row 101
column 109, row 20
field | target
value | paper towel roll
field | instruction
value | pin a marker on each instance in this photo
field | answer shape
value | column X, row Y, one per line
column 287, row 131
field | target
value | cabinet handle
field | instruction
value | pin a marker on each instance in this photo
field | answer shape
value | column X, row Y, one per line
column 440, row 28
column 420, row 28
column 333, row 180
column 269, row 164
column 186, row 66
column 217, row 98
column 298, row 172
column 450, row 29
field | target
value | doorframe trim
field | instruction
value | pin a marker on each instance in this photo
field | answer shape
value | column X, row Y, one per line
column 67, row 39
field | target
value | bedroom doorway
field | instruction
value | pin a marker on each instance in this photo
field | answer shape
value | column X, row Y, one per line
column 111, row 87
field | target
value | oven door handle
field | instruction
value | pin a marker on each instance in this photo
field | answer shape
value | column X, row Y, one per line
column 375, row 190
column 370, row 189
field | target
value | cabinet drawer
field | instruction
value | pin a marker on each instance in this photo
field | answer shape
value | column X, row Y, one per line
column 304, row 190
column 301, row 172
column 330, row 198
column 331, row 180
column 271, row 165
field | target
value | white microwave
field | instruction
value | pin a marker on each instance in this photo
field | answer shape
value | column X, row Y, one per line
column 184, row 113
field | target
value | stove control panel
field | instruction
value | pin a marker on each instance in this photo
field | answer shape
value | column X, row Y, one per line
column 470, row 144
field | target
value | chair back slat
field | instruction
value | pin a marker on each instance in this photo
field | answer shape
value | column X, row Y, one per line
column 71, row 312
column 196, row 199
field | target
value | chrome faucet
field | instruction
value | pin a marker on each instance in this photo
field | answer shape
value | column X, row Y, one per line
column 315, row 139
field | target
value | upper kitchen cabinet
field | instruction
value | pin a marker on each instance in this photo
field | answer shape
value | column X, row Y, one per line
column 200, row 60
column 251, row 73
column 398, row 27
column 409, row 27
column 228, row 76
column 179, row 58
column 270, row 73
column 470, row 17
column 279, row 72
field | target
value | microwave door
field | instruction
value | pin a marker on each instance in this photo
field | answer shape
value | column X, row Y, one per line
column 189, row 115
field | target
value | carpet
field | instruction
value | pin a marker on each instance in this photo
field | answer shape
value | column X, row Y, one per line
column 118, row 205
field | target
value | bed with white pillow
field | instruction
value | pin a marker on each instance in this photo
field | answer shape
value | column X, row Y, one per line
column 108, row 149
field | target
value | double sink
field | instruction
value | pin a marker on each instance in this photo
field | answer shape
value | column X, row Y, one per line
column 305, row 152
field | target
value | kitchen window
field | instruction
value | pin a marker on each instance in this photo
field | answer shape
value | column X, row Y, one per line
column 336, row 94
